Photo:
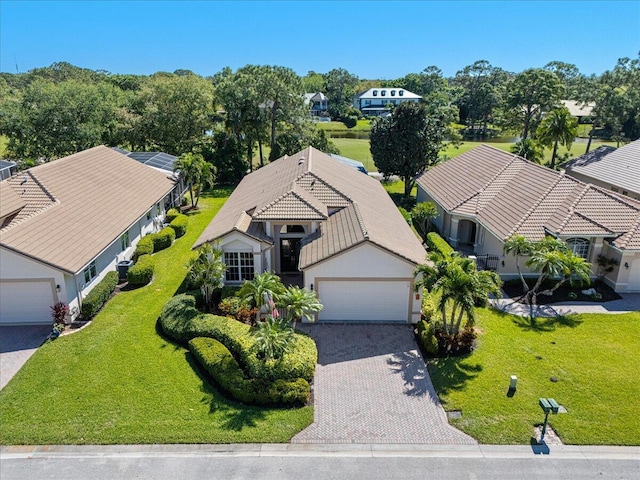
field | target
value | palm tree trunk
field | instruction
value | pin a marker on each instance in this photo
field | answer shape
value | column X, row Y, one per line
column 553, row 155
column 191, row 194
column 453, row 317
column 198, row 197
column 459, row 320
column 593, row 128
column 525, row 286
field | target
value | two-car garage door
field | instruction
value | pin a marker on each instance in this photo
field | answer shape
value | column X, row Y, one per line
column 364, row 300
column 24, row 303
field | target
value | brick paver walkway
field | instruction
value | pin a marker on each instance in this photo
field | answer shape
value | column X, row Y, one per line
column 17, row 344
column 372, row 386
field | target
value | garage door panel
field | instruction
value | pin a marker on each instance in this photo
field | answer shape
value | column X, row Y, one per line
column 364, row 301
column 23, row 303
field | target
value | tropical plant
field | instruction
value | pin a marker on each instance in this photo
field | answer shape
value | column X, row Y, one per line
column 299, row 303
column 195, row 171
column 528, row 149
column 459, row 283
column 206, row 271
column 273, row 337
column 263, row 288
column 518, row 245
column 558, row 126
column 421, row 216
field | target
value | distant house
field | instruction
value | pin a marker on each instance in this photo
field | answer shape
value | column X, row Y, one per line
column 322, row 224
column 7, row 168
column 318, row 102
column 617, row 170
column 578, row 110
column 350, row 162
column 485, row 196
column 377, row 101
column 66, row 223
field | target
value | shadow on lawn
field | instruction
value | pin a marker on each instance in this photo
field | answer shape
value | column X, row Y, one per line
column 452, row 373
column 549, row 324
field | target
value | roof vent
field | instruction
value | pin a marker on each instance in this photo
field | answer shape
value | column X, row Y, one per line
column 301, row 160
column 24, row 180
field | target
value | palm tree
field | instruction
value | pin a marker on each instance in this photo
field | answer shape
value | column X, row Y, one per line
column 300, row 303
column 422, row 215
column 273, row 338
column 206, row 271
column 557, row 127
column 263, row 288
column 518, row 245
column 195, row 171
column 529, row 149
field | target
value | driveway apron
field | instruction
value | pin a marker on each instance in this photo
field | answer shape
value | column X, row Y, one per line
column 372, row 386
column 17, row 344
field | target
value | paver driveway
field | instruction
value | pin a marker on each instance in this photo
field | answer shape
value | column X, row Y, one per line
column 372, row 386
column 17, row 344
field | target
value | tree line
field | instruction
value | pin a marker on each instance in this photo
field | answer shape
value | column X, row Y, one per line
column 232, row 116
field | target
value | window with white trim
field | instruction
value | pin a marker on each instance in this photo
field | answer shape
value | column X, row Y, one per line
column 239, row 266
column 90, row 272
column 579, row 247
column 124, row 241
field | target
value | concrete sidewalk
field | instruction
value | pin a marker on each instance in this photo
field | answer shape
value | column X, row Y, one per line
column 630, row 302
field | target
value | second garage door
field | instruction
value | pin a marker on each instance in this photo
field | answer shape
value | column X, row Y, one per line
column 364, row 301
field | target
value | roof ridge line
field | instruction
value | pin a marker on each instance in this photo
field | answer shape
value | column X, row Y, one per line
column 485, row 186
column 630, row 234
column 297, row 194
column 44, row 189
column 572, row 207
column 536, row 205
column 356, row 209
column 590, row 220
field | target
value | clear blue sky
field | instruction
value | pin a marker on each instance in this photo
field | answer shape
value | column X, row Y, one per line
column 370, row 39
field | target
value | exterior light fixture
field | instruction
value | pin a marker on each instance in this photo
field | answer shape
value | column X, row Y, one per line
column 58, row 287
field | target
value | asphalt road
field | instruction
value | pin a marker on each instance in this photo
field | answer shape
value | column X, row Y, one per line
column 309, row 463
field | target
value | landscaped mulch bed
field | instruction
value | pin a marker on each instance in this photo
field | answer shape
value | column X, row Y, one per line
column 513, row 289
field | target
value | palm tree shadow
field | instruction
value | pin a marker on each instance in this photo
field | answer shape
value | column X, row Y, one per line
column 547, row 324
column 410, row 365
column 452, row 373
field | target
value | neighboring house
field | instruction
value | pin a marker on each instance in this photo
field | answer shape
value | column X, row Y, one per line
column 66, row 223
column 318, row 102
column 164, row 163
column 324, row 225
column 578, row 110
column 7, row 168
column 614, row 169
column 486, row 195
column 377, row 101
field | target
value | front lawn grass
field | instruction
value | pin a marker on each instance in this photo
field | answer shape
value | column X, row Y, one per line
column 593, row 357
column 119, row 381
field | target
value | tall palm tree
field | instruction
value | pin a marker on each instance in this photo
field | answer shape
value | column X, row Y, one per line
column 300, row 303
column 206, row 271
column 195, row 171
column 518, row 245
column 263, row 288
column 558, row 126
column 528, row 149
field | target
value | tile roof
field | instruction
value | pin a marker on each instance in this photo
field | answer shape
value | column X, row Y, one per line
column 509, row 195
column 311, row 182
column 76, row 206
column 619, row 167
column 10, row 201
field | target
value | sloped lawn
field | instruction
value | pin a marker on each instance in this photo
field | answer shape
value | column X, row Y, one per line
column 594, row 359
column 118, row 381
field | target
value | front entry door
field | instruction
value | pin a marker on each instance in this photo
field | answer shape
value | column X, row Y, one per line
column 289, row 253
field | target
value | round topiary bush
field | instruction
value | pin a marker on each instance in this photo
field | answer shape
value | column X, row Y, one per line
column 144, row 247
column 179, row 225
column 142, row 272
column 171, row 214
column 163, row 239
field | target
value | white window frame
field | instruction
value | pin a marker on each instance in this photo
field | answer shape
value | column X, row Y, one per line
column 237, row 264
column 577, row 246
column 90, row 272
column 125, row 241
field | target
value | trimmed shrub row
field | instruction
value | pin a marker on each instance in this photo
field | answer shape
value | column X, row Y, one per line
column 142, row 272
column 99, row 295
column 143, row 247
column 182, row 322
column 436, row 243
column 163, row 239
column 224, row 369
column 427, row 338
column 179, row 224
column 171, row 214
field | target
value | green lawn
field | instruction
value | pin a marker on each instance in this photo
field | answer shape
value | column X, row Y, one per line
column 593, row 357
column 362, row 126
column 118, row 381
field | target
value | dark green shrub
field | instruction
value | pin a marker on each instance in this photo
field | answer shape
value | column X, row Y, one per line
column 143, row 247
column 350, row 121
column 142, row 272
column 99, row 295
column 163, row 239
column 171, row 214
column 179, row 225
column 225, row 370
column 438, row 244
column 182, row 322
column 426, row 338
column 406, row 215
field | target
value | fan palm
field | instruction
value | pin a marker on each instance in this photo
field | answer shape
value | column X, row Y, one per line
column 557, row 127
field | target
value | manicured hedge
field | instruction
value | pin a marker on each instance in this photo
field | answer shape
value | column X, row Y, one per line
column 426, row 337
column 225, row 370
column 182, row 322
column 172, row 213
column 163, row 239
column 99, row 295
column 438, row 244
column 142, row 272
column 143, row 247
column 179, row 225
